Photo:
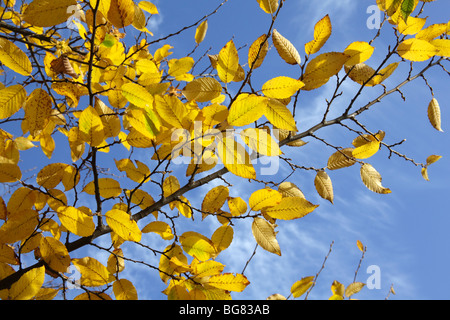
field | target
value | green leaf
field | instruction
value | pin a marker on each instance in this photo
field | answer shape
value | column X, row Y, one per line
column 407, row 8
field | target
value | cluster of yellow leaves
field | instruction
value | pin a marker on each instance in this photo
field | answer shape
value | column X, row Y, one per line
column 424, row 45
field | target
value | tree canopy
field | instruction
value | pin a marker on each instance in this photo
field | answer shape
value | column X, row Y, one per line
column 120, row 149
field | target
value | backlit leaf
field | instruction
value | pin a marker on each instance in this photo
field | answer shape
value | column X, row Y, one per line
column 123, row 225
column 341, row 159
column 260, row 141
column 55, row 254
column 91, row 127
column 222, row 237
column 107, row 187
column 48, row 13
column 434, row 114
column 202, row 89
column 291, row 208
column 258, row 51
column 200, row 32
column 124, row 290
column 198, row 246
column 121, row 13
column 229, row 282
column 28, row 284
column 246, row 109
column 322, row 32
column 93, row 273
column 215, row 199
column 285, row 48
column 301, row 286
column 161, row 228
column 14, row 58
column 228, row 62
column 323, row 185
column 372, row 179
column 263, row 199
column 416, row 50
column 76, row 221
column 235, row 158
column 354, row 288
column 12, row 99
column 358, row 52
column 265, row 235
column 269, row 6
column 281, row 87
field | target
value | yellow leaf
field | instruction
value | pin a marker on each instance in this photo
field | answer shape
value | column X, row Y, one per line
column 28, row 284
column 319, row 70
column 260, row 141
column 214, row 199
column 258, row 51
column 269, row 6
column 121, row 13
column 279, row 115
column 110, row 120
column 124, row 290
column 338, row 288
column 184, row 208
column 323, row 185
column 289, row 189
column 123, row 225
column 247, row 108
column 301, row 286
column 139, row 173
column 432, row 159
column 434, row 114
column 198, row 246
column 166, row 269
column 148, row 6
column 108, row 188
column 11, row 100
column 93, row 273
column 366, row 150
column 229, row 282
column 161, row 228
column 358, row 52
column 202, row 89
column 9, row 172
column 237, row 206
column 290, row 208
column 179, row 67
column 91, row 127
column 171, row 110
column 116, row 262
column 411, row 26
column 354, row 287
column 55, row 254
column 170, row 185
column 207, row 268
column 263, row 199
column 47, row 13
column 137, row 95
column 281, row 87
column 144, row 121
column 276, row 296
column 51, row 175
column 38, row 109
column 200, row 32
column 222, row 237
column 228, row 62
column 432, row 32
column 443, row 47
column 416, row 50
column 322, row 32
column 76, row 221
column 235, row 158
column 341, row 159
column 20, row 225
column 360, row 246
column 372, row 179
column 14, row 58
column 23, row 143
column 265, row 235
column 285, row 49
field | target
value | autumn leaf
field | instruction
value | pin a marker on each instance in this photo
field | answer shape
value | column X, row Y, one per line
column 285, row 49
column 228, row 62
column 14, row 58
column 265, row 235
column 322, row 32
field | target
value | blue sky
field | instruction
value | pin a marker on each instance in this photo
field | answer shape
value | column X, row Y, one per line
column 405, row 232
